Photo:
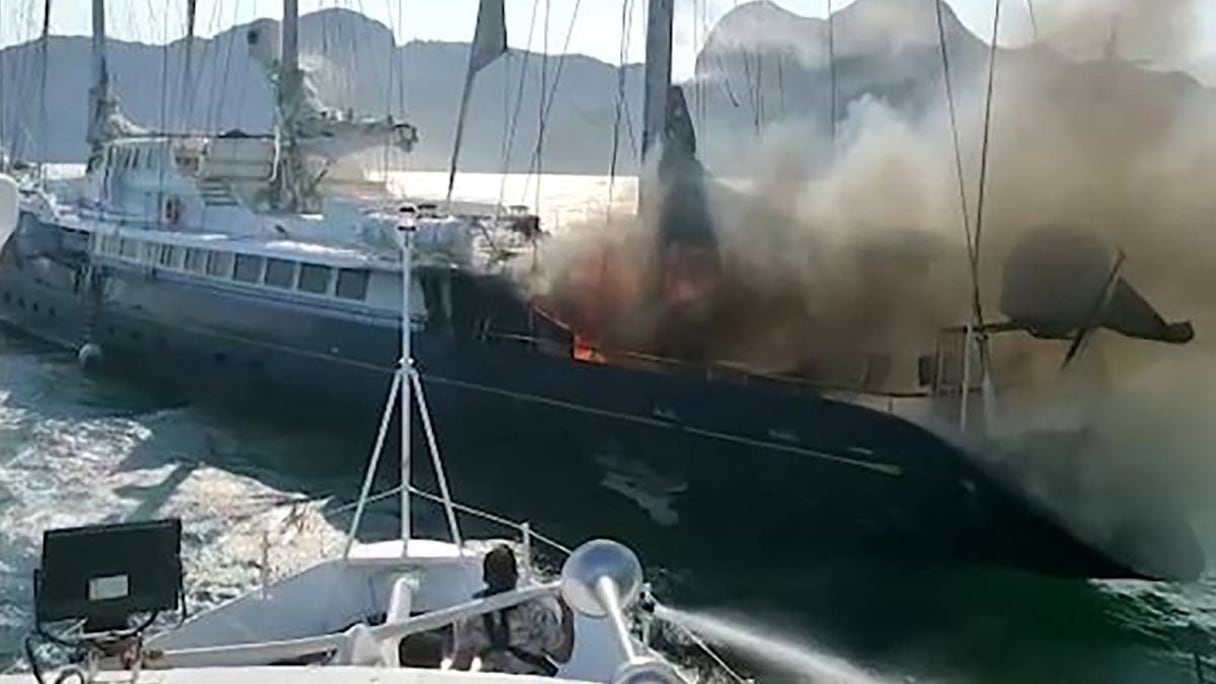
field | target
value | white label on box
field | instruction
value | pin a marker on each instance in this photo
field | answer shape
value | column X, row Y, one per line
column 106, row 588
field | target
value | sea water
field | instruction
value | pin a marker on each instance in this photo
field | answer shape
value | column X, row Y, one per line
column 772, row 649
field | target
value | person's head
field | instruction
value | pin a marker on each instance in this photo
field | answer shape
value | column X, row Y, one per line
column 498, row 569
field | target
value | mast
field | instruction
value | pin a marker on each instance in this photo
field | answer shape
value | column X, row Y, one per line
column 406, row 371
column 658, row 75
column 101, row 102
column 188, row 69
column 44, row 58
column 291, row 45
column 286, row 189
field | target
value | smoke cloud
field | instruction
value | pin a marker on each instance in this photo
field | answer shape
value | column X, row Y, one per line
column 822, row 271
column 1161, row 32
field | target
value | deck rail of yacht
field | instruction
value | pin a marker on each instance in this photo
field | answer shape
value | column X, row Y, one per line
column 713, row 371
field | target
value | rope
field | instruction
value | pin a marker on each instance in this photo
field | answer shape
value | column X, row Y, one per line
column 547, row 99
column 519, row 97
column 3, row 109
column 979, row 211
column 832, row 66
column 958, row 153
column 542, row 112
column 42, row 77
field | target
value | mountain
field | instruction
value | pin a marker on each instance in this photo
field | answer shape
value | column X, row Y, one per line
column 763, row 64
column 355, row 65
column 760, row 65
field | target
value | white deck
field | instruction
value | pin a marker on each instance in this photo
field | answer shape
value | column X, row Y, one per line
column 300, row 675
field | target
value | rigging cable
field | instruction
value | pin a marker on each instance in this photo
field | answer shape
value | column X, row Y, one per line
column 623, row 56
column 622, row 59
column 519, row 98
column 973, row 266
column 3, row 108
column 388, row 99
column 42, row 74
column 164, row 115
column 187, row 68
column 781, row 83
column 751, row 89
column 832, row 71
column 164, row 68
column 21, row 114
column 541, row 112
column 982, row 339
column 197, row 85
column 557, row 77
column 221, row 84
column 958, row 153
column 984, row 150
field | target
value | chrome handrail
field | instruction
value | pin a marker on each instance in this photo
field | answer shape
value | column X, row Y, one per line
column 527, row 533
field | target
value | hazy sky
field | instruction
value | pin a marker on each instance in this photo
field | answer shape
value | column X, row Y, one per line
column 597, row 31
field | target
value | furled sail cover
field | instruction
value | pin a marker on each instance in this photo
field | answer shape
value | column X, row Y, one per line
column 490, row 38
column 684, row 211
column 1058, row 281
column 322, row 130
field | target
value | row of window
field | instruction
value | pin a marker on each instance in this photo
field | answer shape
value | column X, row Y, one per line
column 131, row 157
column 349, row 283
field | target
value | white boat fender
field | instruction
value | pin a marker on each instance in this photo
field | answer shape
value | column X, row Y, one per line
column 9, row 198
column 89, row 355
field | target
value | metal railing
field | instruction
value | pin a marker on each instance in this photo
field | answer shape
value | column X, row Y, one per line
column 714, row 371
column 528, row 539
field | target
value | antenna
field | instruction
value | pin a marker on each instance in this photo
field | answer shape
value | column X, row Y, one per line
column 407, row 383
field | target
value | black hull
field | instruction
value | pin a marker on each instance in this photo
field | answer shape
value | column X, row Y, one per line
column 707, row 459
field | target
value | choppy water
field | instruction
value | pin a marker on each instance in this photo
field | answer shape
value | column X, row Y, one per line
column 75, row 449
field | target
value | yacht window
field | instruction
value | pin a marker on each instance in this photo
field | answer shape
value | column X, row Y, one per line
column 248, row 268
column 135, row 159
column 314, row 278
column 128, row 248
column 219, row 264
column 152, row 252
column 166, row 254
column 280, row 273
column 196, row 260
column 352, row 283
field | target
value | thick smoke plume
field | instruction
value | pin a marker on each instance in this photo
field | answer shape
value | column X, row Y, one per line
column 1159, row 32
column 821, row 273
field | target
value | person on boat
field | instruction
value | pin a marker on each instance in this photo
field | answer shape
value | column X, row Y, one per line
column 524, row 639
